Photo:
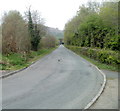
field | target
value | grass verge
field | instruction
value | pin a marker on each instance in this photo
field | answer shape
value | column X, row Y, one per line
column 100, row 65
column 18, row 61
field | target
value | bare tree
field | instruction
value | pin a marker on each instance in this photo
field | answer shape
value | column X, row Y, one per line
column 48, row 42
column 14, row 33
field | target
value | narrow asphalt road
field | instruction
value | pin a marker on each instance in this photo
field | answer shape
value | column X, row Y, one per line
column 60, row 80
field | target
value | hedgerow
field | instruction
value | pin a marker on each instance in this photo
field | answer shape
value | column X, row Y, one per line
column 101, row 55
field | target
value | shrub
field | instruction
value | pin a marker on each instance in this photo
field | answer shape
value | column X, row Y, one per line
column 16, row 59
column 101, row 55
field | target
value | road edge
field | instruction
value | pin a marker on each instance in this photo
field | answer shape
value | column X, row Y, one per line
column 100, row 91
column 92, row 101
column 16, row 71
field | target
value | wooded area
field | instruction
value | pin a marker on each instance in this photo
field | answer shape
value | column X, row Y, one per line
column 95, row 32
column 23, row 39
column 95, row 25
column 21, row 34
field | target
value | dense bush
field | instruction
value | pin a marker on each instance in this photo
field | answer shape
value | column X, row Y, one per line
column 101, row 55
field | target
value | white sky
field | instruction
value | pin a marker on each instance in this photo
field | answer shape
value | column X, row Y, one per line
column 55, row 12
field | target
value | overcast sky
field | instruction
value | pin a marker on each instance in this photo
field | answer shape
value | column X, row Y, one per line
column 55, row 12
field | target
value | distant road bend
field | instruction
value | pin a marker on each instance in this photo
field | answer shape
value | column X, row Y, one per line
column 60, row 80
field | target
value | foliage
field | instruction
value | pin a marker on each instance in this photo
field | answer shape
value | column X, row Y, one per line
column 14, row 33
column 100, row 65
column 34, row 32
column 94, row 25
column 101, row 55
column 20, row 39
column 48, row 41
column 16, row 61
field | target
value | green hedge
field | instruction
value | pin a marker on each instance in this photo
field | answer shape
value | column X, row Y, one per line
column 101, row 55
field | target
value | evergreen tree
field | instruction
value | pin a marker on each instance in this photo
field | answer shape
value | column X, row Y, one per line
column 36, row 38
column 30, row 29
column 34, row 33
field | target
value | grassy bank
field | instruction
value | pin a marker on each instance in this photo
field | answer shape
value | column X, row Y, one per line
column 17, row 61
column 100, row 65
column 103, row 59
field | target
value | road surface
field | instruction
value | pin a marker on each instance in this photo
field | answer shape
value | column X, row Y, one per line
column 60, row 80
